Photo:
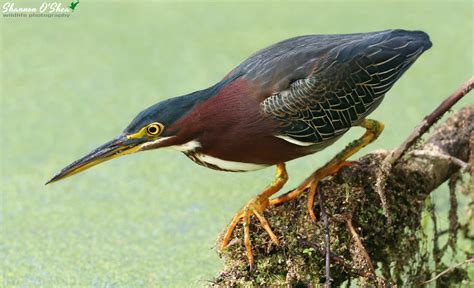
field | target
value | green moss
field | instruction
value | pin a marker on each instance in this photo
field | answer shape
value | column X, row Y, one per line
column 398, row 250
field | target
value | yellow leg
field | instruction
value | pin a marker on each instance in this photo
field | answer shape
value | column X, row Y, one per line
column 373, row 130
column 256, row 206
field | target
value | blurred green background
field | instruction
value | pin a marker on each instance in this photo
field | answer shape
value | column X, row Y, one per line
column 70, row 84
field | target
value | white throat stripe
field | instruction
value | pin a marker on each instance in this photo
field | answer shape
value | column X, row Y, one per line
column 186, row 147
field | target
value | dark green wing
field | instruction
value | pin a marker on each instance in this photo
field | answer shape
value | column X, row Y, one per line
column 346, row 83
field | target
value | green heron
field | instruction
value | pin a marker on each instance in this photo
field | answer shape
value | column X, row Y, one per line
column 286, row 101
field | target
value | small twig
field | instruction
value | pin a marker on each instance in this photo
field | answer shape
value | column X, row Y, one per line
column 436, row 251
column 379, row 187
column 453, row 211
column 442, row 232
column 361, row 246
column 471, row 260
column 326, row 237
column 342, row 262
column 471, row 158
column 433, row 154
column 430, row 119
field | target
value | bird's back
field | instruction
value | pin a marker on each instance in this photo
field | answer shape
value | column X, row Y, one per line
column 316, row 87
column 282, row 63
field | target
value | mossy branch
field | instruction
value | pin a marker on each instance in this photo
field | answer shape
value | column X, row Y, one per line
column 361, row 238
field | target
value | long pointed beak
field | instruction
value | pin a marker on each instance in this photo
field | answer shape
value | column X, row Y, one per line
column 118, row 147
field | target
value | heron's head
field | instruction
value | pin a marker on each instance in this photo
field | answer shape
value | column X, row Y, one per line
column 152, row 128
column 160, row 125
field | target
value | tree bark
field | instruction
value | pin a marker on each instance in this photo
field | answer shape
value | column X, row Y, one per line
column 361, row 236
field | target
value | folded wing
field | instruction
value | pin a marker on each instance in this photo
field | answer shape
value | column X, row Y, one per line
column 346, row 83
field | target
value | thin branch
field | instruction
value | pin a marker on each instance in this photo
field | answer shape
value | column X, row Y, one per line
column 436, row 251
column 379, row 187
column 435, row 154
column 342, row 262
column 449, row 269
column 326, row 237
column 430, row 119
column 471, row 157
column 453, row 211
column 361, row 247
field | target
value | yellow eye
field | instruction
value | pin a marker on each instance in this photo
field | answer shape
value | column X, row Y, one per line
column 154, row 129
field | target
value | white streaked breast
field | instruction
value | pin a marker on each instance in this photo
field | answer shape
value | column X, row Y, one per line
column 188, row 148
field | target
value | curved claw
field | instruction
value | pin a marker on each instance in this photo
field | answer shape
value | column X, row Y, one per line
column 256, row 207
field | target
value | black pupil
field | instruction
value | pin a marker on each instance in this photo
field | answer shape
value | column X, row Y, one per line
column 152, row 130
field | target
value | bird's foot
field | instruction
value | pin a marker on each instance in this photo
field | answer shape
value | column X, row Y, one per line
column 311, row 185
column 256, row 207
